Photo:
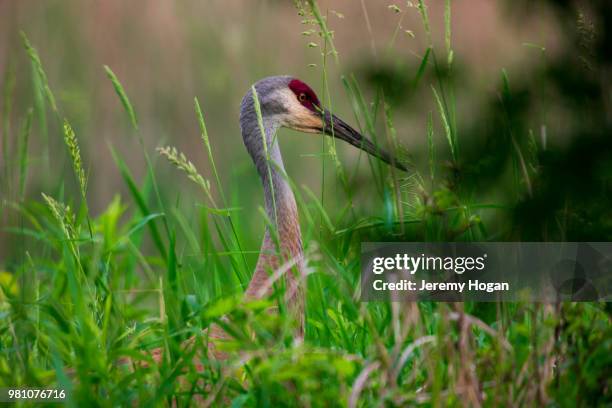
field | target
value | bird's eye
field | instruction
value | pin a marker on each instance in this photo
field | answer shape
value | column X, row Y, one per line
column 302, row 97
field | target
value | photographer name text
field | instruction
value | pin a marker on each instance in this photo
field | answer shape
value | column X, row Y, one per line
column 423, row 285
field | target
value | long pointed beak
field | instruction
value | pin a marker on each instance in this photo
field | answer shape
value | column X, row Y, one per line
column 336, row 127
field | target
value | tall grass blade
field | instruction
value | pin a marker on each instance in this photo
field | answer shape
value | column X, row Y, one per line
column 369, row 118
column 141, row 202
column 33, row 54
column 24, row 137
column 394, row 148
column 431, row 148
column 120, row 91
column 422, row 68
column 519, row 157
column 266, row 152
column 425, row 18
column 205, row 138
column 445, row 123
column 125, row 101
column 447, row 31
column 321, row 209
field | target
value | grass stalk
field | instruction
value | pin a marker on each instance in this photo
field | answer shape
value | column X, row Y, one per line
column 24, row 137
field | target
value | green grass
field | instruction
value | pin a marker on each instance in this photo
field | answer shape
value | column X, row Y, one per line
column 84, row 291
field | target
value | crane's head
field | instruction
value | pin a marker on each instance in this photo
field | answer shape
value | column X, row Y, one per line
column 291, row 103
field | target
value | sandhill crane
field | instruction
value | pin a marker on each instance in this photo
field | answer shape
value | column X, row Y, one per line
column 283, row 101
column 287, row 102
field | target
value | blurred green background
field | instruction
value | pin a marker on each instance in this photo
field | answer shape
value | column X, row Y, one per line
column 165, row 53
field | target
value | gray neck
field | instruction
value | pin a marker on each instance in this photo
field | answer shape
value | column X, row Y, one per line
column 279, row 198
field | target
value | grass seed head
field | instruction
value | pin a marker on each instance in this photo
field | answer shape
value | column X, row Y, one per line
column 62, row 214
column 75, row 154
column 179, row 160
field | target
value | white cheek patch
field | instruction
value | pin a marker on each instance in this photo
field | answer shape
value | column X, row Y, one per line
column 297, row 116
column 289, row 101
